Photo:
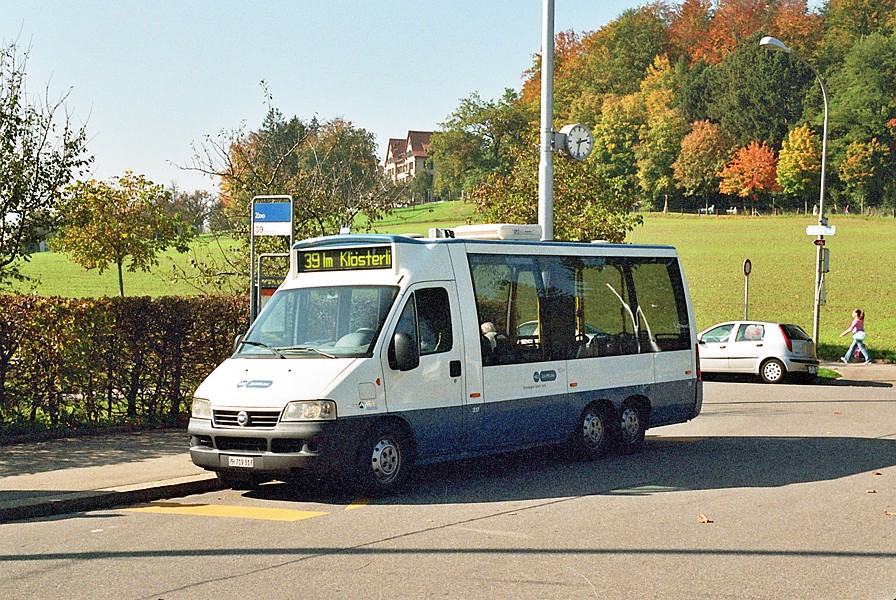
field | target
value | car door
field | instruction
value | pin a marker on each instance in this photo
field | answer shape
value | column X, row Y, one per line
column 714, row 348
column 748, row 346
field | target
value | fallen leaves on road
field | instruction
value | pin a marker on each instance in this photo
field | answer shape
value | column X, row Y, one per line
column 870, row 491
column 876, row 473
column 890, row 513
column 701, row 518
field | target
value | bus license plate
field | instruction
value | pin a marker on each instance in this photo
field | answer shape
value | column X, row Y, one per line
column 813, row 370
column 241, row 461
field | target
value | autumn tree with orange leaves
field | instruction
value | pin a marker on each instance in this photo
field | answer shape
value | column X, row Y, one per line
column 750, row 173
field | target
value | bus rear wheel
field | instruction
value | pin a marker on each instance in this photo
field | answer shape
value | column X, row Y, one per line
column 632, row 428
column 592, row 438
column 384, row 460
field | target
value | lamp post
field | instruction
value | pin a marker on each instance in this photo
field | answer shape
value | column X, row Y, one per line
column 771, row 43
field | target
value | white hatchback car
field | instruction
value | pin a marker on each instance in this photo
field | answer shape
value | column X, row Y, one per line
column 771, row 350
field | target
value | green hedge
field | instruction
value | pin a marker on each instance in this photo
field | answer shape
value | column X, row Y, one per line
column 70, row 364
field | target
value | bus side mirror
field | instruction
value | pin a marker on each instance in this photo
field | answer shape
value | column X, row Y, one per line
column 403, row 353
column 237, row 341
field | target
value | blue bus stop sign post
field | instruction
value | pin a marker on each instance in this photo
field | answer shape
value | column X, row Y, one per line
column 271, row 216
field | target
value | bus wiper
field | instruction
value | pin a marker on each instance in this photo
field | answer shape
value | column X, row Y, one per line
column 263, row 345
column 307, row 349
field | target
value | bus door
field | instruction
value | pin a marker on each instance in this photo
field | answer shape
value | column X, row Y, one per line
column 523, row 381
column 430, row 395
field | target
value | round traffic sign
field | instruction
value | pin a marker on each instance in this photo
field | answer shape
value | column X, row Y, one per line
column 819, row 242
column 748, row 266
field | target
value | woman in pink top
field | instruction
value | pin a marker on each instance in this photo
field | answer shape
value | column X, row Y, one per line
column 858, row 336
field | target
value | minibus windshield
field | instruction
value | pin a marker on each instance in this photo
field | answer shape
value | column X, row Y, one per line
column 320, row 322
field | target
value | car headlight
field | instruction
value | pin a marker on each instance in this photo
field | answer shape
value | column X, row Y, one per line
column 202, row 409
column 310, row 410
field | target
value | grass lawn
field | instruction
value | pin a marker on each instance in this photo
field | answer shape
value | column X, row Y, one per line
column 712, row 249
column 782, row 281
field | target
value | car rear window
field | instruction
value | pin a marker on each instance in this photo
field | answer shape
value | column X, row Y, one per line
column 795, row 332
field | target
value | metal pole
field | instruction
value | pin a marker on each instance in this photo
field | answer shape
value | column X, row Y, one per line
column 545, row 164
column 778, row 46
column 822, row 221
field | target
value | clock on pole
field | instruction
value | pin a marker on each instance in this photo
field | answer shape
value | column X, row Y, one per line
column 577, row 141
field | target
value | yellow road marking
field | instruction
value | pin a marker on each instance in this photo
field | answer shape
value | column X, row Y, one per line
column 239, row 512
column 358, row 503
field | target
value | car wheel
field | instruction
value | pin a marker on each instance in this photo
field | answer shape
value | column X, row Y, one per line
column 384, row 460
column 593, row 436
column 632, row 427
column 772, row 371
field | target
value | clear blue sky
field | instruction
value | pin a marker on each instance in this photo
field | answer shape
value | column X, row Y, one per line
column 150, row 78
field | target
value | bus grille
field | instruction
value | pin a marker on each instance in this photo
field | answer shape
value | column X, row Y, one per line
column 239, row 443
column 257, row 418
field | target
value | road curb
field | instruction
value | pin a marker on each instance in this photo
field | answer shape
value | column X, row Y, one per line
column 73, row 502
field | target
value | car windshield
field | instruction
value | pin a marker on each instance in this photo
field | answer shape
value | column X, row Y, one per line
column 322, row 323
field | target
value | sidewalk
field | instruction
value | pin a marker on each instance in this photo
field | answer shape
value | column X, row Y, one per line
column 71, row 475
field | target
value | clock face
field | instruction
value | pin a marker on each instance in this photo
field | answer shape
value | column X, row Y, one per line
column 579, row 142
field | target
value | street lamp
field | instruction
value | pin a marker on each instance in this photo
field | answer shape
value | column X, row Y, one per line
column 771, row 43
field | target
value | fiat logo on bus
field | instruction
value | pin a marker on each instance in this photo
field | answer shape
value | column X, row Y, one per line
column 242, row 418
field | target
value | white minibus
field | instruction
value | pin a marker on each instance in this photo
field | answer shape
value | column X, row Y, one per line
column 380, row 352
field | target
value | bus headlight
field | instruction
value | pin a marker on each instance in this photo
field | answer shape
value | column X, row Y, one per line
column 310, row 410
column 202, row 409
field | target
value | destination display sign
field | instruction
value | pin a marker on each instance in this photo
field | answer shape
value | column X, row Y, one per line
column 345, row 259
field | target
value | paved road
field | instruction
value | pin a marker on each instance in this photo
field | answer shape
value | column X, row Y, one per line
column 775, row 491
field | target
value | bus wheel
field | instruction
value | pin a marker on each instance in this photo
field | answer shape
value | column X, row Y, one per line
column 384, row 460
column 239, row 481
column 632, row 427
column 592, row 438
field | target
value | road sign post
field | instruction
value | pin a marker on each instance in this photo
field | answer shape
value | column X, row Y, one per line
column 748, row 267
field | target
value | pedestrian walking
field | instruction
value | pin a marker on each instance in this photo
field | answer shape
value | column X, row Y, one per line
column 857, row 329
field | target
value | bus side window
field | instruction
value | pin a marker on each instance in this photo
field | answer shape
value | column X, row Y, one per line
column 607, row 320
column 426, row 320
column 434, row 321
column 662, row 308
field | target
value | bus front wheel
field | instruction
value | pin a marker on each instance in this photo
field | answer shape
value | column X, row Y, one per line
column 384, row 460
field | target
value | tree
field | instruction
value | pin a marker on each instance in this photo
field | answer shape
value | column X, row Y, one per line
column 704, row 152
column 757, row 94
column 864, row 107
column 195, row 208
column 751, row 172
column 105, row 223
column 587, row 205
column 331, row 169
column 848, row 21
column 615, row 137
column 476, row 141
column 40, row 151
column 799, row 163
column 660, row 139
column 860, row 166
